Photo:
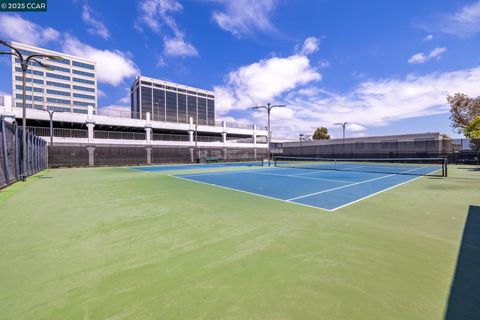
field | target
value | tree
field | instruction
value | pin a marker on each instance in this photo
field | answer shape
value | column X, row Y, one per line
column 472, row 130
column 463, row 110
column 321, row 134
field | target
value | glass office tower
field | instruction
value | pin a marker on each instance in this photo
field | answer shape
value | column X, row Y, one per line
column 171, row 102
column 70, row 87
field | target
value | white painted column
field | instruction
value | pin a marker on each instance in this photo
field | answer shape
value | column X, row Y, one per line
column 148, row 130
column 224, row 133
column 91, row 156
column 149, row 155
column 90, row 124
column 191, row 129
column 254, row 141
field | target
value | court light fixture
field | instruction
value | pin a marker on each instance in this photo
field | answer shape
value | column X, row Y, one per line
column 269, row 108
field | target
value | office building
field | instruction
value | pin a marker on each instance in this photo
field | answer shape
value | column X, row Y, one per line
column 171, row 102
column 70, row 87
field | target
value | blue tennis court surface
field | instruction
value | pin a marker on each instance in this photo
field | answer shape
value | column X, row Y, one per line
column 174, row 167
column 323, row 189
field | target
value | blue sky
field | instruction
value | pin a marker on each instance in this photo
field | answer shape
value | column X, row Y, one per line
column 384, row 66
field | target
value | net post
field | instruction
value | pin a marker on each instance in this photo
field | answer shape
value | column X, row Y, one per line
column 445, row 166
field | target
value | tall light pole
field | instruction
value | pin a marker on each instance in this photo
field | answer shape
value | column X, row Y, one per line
column 50, row 114
column 344, row 125
column 269, row 108
column 24, row 61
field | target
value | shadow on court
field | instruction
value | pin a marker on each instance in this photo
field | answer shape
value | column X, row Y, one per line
column 464, row 300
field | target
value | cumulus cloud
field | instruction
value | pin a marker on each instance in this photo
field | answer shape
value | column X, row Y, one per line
column 260, row 82
column 244, row 17
column 113, row 66
column 13, row 27
column 95, row 26
column 421, row 57
column 294, row 82
column 379, row 102
column 158, row 13
column 178, row 47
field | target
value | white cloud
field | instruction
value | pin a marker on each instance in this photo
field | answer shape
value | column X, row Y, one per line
column 113, row 66
column 96, row 26
column 244, row 17
column 310, row 45
column 463, row 23
column 154, row 14
column 13, row 27
column 372, row 103
column 422, row 57
column 178, row 47
column 353, row 127
column 261, row 82
column 428, row 37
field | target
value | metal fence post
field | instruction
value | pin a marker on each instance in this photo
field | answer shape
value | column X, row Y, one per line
column 4, row 149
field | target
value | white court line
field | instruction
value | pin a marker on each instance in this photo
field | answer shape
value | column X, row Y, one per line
column 352, row 184
column 302, row 204
column 320, row 170
column 373, row 194
column 296, row 177
column 250, row 193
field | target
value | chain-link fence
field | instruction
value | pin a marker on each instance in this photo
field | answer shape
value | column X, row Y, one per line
column 11, row 157
column 79, row 155
column 456, row 150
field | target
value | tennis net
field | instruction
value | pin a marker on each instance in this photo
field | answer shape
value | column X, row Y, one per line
column 407, row 166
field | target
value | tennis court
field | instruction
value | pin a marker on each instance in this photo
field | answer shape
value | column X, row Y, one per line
column 324, row 184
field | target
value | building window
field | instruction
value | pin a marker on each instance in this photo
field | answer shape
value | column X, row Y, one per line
column 57, row 76
column 56, row 100
column 146, row 101
column 84, row 81
column 83, row 73
column 80, row 111
column 20, row 87
column 35, row 72
column 83, row 88
column 59, row 93
column 38, row 81
column 58, row 84
column 171, row 106
column 211, row 112
column 202, row 111
column 158, row 105
column 83, row 96
column 182, row 108
column 61, row 69
column 192, row 108
column 83, row 104
column 83, row 65
column 28, row 97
